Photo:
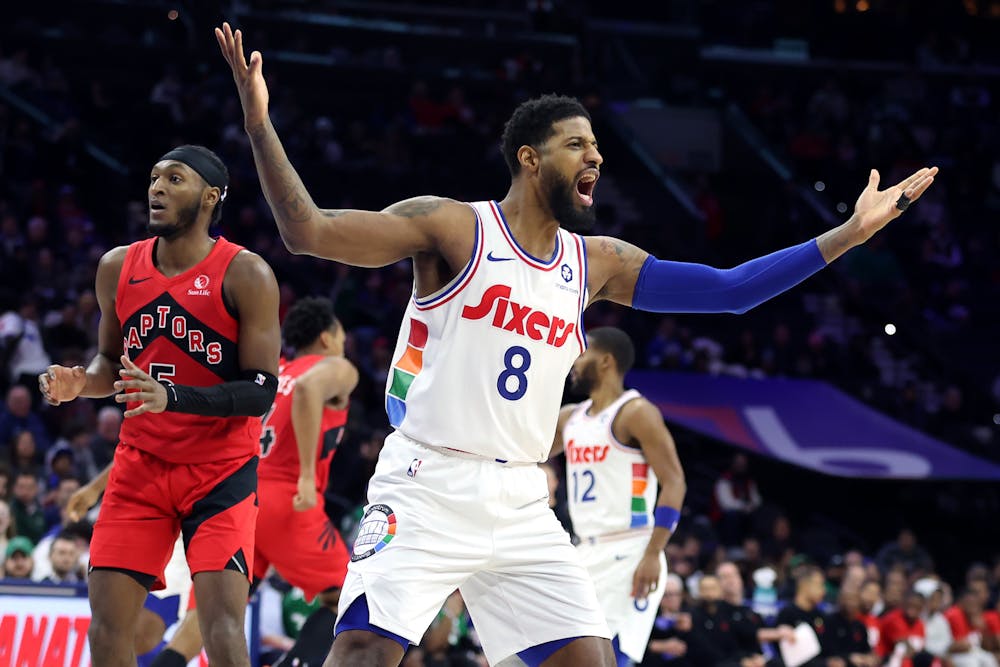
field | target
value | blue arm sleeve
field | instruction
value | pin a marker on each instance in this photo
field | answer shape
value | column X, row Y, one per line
column 680, row 287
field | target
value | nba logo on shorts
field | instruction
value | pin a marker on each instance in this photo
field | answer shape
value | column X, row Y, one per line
column 414, row 467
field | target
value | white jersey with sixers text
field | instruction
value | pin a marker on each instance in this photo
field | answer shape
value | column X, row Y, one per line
column 611, row 488
column 480, row 364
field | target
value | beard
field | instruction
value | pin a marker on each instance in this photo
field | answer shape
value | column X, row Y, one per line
column 185, row 220
column 563, row 204
column 583, row 383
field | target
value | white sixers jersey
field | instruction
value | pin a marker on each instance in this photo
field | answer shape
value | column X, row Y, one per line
column 480, row 364
column 611, row 487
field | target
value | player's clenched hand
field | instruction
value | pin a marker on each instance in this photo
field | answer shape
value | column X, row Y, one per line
column 81, row 501
column 59, row 383
column 646, row 575
column 150, row 394
column 305, row 498
column 249, row 78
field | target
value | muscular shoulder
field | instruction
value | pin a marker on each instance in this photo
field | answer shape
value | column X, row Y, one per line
column 248, row 268
column 431, row 207
column 613, row 265
column 114, row 257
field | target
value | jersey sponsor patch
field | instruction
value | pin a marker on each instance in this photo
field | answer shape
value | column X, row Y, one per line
column 377, row 529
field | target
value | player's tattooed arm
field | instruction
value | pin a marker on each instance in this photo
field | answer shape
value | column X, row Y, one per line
column 614, row 267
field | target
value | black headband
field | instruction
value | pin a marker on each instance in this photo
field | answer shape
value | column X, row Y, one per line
column 202, row 164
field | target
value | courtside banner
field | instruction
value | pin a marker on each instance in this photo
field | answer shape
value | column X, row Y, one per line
column 44, row 625
column 807, row 423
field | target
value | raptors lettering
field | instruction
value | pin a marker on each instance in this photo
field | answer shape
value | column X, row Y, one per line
column 176, row 327
column 523, row 320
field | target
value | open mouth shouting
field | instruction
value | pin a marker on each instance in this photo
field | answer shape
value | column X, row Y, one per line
column 585, row 186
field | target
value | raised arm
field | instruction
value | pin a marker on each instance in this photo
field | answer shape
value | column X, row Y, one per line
column 639, row 421
column 59, row 383
column 622, row 273
column 361, row 238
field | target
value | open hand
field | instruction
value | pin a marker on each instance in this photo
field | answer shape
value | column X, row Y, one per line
column 59, row 383
column 876, row 208
column 647, row 576
column 249, row 78
column 150, row 394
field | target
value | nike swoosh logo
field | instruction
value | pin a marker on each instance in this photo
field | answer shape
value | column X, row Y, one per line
column 620, row 557
column 490, row 257
column 136, row 281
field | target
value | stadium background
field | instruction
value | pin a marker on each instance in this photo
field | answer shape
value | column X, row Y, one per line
column 729, row 129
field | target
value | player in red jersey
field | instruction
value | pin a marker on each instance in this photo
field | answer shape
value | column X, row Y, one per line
column 189, row 339
column 300, row 433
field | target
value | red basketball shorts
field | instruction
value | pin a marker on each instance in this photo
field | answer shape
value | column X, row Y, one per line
column 149, row 500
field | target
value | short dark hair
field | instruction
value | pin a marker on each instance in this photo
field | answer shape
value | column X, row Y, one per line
column 306, row 320
column 531, row 124
column 807, row 574
column 615, row 342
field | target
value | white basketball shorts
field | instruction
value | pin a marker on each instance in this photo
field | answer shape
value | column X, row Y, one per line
column 436, row 522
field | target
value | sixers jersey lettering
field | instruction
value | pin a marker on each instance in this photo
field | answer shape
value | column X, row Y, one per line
column 611, row 487
column 180, row 331
column 479, row 365
column 278, row 446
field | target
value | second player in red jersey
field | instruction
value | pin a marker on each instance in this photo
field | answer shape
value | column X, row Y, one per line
column 300, row 431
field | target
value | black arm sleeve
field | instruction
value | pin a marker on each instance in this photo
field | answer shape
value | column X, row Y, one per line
column 249, row 397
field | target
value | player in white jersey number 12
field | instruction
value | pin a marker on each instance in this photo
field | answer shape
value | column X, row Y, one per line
column 617, row 448
column 494, row 325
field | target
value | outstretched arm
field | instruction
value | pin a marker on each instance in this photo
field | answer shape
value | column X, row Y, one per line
column 360, row 238
column 622, row 273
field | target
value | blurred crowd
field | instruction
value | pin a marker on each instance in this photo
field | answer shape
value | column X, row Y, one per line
column 62, row 205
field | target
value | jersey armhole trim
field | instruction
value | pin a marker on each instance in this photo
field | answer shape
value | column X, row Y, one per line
column 461, row 281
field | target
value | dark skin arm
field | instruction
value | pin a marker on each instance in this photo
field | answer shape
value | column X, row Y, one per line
column 330, row 381
column 59, row 383
column 614, row 265
column 640, row 422
column 437, row 232
column 557, row 442
column 252, row 289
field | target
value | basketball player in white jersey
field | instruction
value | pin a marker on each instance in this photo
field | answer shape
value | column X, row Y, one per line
column 494, row 325
column 617, row 447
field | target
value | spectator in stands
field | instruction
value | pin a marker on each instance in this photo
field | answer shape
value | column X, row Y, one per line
column 967, row 630
column 29, row 517
column 936, row 627
column 870, row 597
column 18, row 561
column 716, row 638
column 903, row 636
column 810, row 589
column 22, row 350
column 102, row 445
column 904, row 551
column 736, row 500
column 667, row 645
column 746, row 621
column 55, row 502
column 5, row 482
column 731, row 582
column 64, row 558
column 847, row 635
column 7, row 528
column 80, row 532
column 24, row 454
column 17, row 416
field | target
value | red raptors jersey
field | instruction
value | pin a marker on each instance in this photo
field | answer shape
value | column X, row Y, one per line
column 279, row 449
column 179, row 330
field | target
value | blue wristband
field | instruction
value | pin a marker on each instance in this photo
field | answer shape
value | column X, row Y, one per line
column 666, row 517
